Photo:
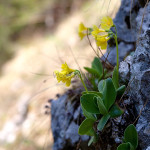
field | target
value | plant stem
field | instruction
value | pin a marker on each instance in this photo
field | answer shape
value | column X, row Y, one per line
column 79, row 74
column 117, row 51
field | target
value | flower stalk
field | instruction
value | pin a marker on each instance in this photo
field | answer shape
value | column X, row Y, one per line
column 117, row 52
column 80, row 76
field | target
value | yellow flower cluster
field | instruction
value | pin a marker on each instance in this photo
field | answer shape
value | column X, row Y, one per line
column 101, row 37
column 100, row 34
column 65, row 75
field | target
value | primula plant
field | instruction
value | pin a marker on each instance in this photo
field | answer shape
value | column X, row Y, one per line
column 130, row 141
column 99, row 104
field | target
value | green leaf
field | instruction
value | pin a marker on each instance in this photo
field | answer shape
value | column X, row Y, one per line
column 107, row 74
column 109, row 93
column 121, row 90
column 124, row 146
column 92, row 92
column 86, row 126
column 91, row 132
column 131, row 146
column 92, row 140
column 89, row 104
column 88, row 115
column 96, row 64
column 92, row 71
column 103, row 122
column 130, row 135
column 93, row 82
column 115, row 78
column 115, row 111
column 101, row 106
column 101, row 85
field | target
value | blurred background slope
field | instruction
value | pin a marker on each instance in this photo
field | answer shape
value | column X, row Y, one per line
column 35, row 38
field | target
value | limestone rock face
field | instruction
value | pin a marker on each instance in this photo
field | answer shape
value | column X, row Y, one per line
column 125, row 21
column 65, row 123
column 124, row 50
column 138, row 73
column 140, row 88
column 124, row 70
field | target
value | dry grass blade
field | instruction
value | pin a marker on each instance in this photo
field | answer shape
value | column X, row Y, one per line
column 142, row 22
column 108, row 6
column 140, row 112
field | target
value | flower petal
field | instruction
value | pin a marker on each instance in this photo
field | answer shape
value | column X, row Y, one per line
column 106, row 23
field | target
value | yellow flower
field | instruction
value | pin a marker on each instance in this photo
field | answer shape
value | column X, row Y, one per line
column 100, row 36
column 65, row 75
column 106, row 23
column 97, row 31
column 82, row 31
column 66, row 69
column 68, row 79
column 102, row 41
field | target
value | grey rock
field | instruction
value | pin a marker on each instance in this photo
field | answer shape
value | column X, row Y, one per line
column 142, row 122
column 64, row 118
column 84, row 137
column 147, row 130
column 148, row 148
column 72, row 132
column 136, row 70
column 143, row 26
column 124, row 70
column 77, row 113
column 140, row 86
column 124, row 50
column 125, row 21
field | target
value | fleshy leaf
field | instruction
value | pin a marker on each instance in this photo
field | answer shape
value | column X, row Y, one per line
column 115, row 111
column 89, row 104
column 86, row 126
column 121, row 90
column 109, row 94
column 130, row 135
column 92, row 92
column 101, row 106
column 94, row 72
column 96, row 64
column 103, row 122
column 124, row 146
column 101, row 85
column 92, row 140
column 91, row 132
column 88, row 115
